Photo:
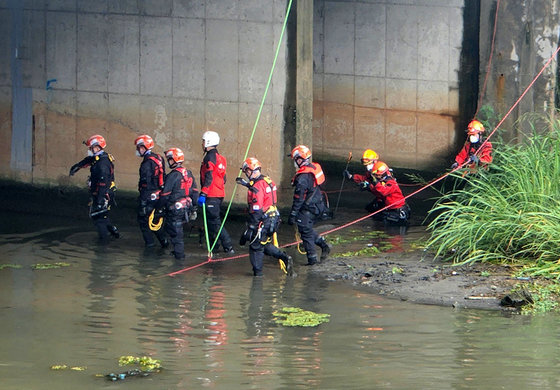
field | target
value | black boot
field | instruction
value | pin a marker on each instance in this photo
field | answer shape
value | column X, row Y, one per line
column 289, row 265
column 114, row 231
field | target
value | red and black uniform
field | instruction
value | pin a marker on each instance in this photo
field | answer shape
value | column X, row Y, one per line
column 366, row 184
column 102, row 191
column 177, row 197
column 307, row 207
column 212, row 186
column 150, row 184
column 467, row 152
column 262, row 222
column 398, row 211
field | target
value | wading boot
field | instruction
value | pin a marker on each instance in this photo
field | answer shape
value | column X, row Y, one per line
column 289, row 265
column 325, row 250
column 114, row 231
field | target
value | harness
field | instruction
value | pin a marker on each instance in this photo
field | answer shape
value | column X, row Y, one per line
column 159, row 168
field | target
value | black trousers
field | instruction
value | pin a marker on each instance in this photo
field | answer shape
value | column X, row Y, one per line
column 214, row 221
column 174, row 221
column 257, row 250
column 310, row 238
column 145, row 208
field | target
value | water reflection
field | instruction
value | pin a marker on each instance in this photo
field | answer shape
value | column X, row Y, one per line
column 213, row 327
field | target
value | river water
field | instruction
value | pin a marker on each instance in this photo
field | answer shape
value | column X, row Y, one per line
column 213, row 326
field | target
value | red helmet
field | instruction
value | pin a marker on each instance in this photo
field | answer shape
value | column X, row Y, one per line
column 475, row 127
column 380, row 169
column 176, row 154
column 251, row 163
column 301, row 151
column 144, row 140
column 96, row 140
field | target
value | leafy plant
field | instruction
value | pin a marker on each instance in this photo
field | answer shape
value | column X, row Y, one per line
column 509, row 214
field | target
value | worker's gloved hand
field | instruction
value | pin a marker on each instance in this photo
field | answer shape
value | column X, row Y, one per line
column 241, row 181
column 158, row 213
column 201, row 199
column 454, row 165
column 364, row 185
column 75, row 168
column 474, row 159
column 347, row 174
column 291, row 219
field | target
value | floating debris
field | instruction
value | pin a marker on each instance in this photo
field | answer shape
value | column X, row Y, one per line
column 60, row 367
column 49, row 265
column 14, row 266
column 294, row 316
column 146, row 363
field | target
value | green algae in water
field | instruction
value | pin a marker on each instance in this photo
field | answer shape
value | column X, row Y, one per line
column 294, row 316
column 146, row 363
column 369, row 251
column 357, row 235
column 13, row 266
column 49, row 266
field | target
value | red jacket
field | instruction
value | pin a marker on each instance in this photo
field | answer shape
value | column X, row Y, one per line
column 261, row 195
column 391, row 192
column 213, row 174
column 357, row 178
column 484, row 155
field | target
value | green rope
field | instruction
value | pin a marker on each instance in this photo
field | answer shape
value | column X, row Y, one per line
column 256, row 122
column 206, row 230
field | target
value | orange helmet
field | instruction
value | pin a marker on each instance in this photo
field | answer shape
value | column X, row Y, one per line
column 380, row 169
column 250, row 164
column 176, row 154
column 301, row 151
column 475, row 127
column 369, row 157
column 144, row 140
column 96, row 140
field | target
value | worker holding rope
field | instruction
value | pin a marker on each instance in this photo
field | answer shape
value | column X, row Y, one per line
column 470, row 153
column 364, row 181
column 308, row 203
column 212, row 188
column 176, row 200
column 263, row 218
column 150, row 183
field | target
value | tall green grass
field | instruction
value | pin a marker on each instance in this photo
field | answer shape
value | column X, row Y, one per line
column 508, row 214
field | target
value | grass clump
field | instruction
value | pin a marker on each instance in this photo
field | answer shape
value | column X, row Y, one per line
column 509, row 214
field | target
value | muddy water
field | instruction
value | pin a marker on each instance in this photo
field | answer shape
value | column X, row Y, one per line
column 212, row 327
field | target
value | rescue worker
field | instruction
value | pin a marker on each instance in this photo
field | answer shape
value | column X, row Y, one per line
column 176, row 200
column 369, row 158
column 308, row 203
column 468, row 154
column 263, row 218
column 101, row 184
column 212, row 189
column 150, row 184
column 398, row 211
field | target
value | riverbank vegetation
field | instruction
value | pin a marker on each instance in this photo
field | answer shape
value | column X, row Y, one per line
column 509, row 214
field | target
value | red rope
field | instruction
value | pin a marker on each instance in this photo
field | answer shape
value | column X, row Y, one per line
column 210, row 260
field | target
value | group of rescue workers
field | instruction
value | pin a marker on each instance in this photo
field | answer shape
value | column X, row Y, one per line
column 172, row 199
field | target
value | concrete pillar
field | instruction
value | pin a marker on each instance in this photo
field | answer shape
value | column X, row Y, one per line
column 304, row 73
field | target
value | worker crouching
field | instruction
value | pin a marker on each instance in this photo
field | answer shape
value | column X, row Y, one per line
column 263, row 218
column 397, row 211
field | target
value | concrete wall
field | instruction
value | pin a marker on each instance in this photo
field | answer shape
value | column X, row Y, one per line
column 386, row 77
column 168, row 68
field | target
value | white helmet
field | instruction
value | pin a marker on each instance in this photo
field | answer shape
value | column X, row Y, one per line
column 210, row 138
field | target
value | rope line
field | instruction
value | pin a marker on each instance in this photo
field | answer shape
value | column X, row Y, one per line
column 409, row 195
column 256, row 122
